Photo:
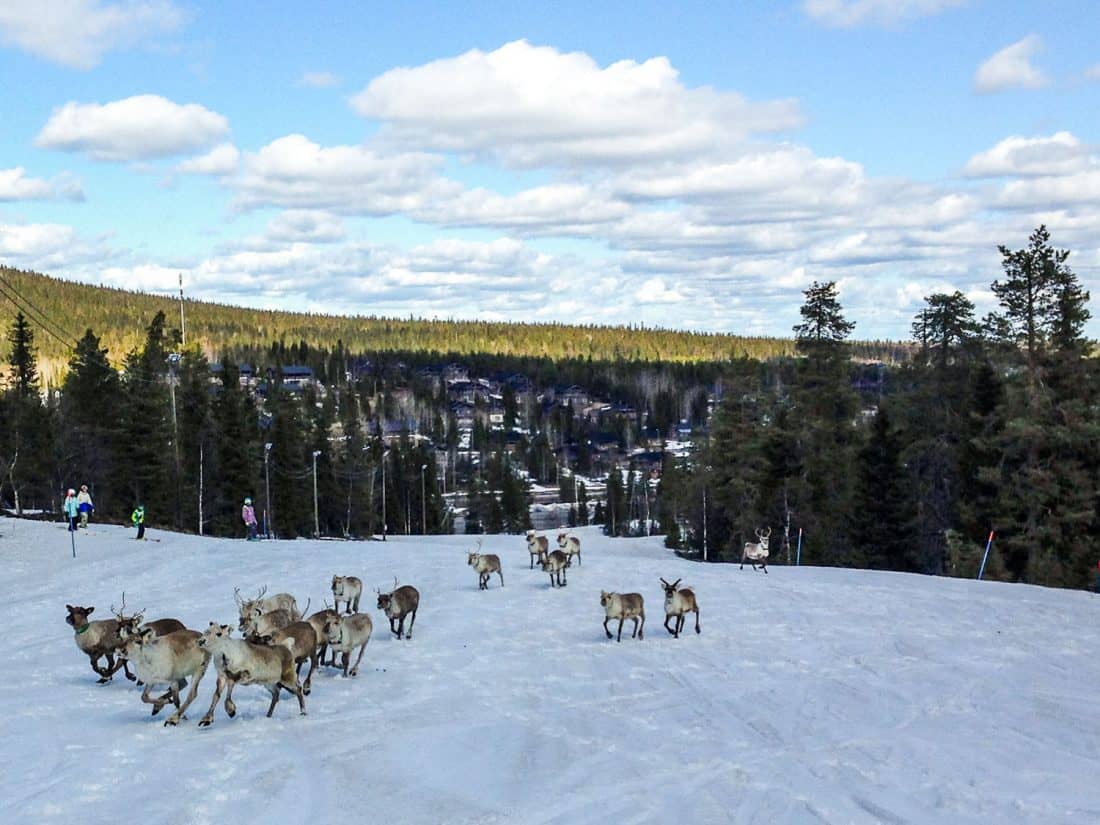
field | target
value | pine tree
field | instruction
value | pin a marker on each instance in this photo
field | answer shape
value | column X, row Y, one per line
column 880, row 510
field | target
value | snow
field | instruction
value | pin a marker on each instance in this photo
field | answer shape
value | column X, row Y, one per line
column 812, row 695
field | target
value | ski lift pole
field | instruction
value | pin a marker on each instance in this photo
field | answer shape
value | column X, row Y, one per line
column 798, row 552
column 985, row 555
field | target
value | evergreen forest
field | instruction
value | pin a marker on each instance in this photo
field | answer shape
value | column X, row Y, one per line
column 888, row 456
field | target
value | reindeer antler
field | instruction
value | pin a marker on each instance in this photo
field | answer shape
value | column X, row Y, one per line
column 237, row 597
column 395, row 582
column 118, row 613
column 263, row 590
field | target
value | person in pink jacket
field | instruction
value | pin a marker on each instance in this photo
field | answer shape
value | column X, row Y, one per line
column 249, row 517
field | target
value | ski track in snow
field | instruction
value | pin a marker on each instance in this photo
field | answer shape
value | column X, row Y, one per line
column 812, row 696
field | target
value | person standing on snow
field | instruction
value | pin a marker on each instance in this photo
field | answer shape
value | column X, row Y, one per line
column 248, row 515
column 84, row 505
column 137, row 518
column 72, row 509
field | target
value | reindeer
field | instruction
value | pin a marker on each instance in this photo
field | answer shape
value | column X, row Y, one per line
column 259, row 605
column 97, row 639
column 252, row 625
column 168, row 659
column 345, row 633
column 347, row 589
column 537, row 546
column 570, row 545
column 678, row 601
column 484, row 564
column 555, row 564
column 301, row 640
column 245, row 663
column 623, row 606
column 756, row 552
column 317, row 621
column 129, row 626
column 398, row 604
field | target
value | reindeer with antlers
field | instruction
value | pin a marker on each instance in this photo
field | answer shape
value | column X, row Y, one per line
column 484, row 564
column 397, row 604
column 678, row 602
column 756, row 552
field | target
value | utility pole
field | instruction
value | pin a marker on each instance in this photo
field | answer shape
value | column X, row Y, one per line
column 704, row 523
column 183, row 326
column 200, row 488
column 267, row 491
column 423, row 501
column 384, row 454
column 173, row 362
column 316, row 519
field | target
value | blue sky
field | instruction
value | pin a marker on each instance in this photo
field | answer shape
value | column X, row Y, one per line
column 689, row 165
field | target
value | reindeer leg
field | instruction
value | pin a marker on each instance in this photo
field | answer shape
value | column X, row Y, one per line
column 274, row 698
column 562, row 580
column 149, row 700
column 641, row 628
column 355, row 668
column 671, row 632
column 621, row 620
column 697, row 630
column 208, row 718
column 175, row 718
column 765, row 565
column 393, row 627
column 412, row 621
column 501, row 574
column 230, row 705
column 297, row 691
column 307, row 687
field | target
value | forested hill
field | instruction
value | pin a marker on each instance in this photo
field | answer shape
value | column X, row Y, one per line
column 120, row 318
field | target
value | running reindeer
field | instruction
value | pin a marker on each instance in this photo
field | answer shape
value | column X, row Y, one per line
column 397, row 604
column 756, row 552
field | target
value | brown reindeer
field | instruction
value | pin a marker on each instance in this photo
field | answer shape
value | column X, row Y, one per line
column 400, row 602
column 678, row 602
column 317, row 621
column 623, row 606
column 484, row 564
column 555, row 564
column 168, row 659
column 756, row 552
column 347, row 589
column 245, row 663
column 537, row 546
column 345, row 633
column 570, row 545
column 301, row 640
column 97, row 639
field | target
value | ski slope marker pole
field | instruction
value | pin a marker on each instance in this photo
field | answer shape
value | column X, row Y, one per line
column 985, row 555
column 72, row 538
column 798, row 553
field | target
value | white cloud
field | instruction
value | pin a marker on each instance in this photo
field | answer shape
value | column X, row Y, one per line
column 143, row 127
column 305, row 226
column 1093, row 72
column 530, row 106
column 1060, row 154
column 654, row 291
column 221, row 160
column 48, row 247
column 295, row 172
column 77, row 33
column 851, row 13
column 1011, row 68
column 318, row 80
column 16, row 186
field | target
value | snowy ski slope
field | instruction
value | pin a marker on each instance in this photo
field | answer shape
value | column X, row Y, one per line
column 812, row 695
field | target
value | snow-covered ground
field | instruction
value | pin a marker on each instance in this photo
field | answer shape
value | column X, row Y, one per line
column 812, row 695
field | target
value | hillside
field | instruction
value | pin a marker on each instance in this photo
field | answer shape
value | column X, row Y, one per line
column 812, row 695
column 120, row 316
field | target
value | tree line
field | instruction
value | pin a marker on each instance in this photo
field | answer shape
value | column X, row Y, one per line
column 993, row 425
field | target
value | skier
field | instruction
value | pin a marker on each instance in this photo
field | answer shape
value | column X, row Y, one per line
column 84, row 504
column 249, row 517
column 137, row 518
column 72, row 509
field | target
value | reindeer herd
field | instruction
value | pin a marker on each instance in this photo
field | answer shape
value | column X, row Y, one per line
column 277, row 639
